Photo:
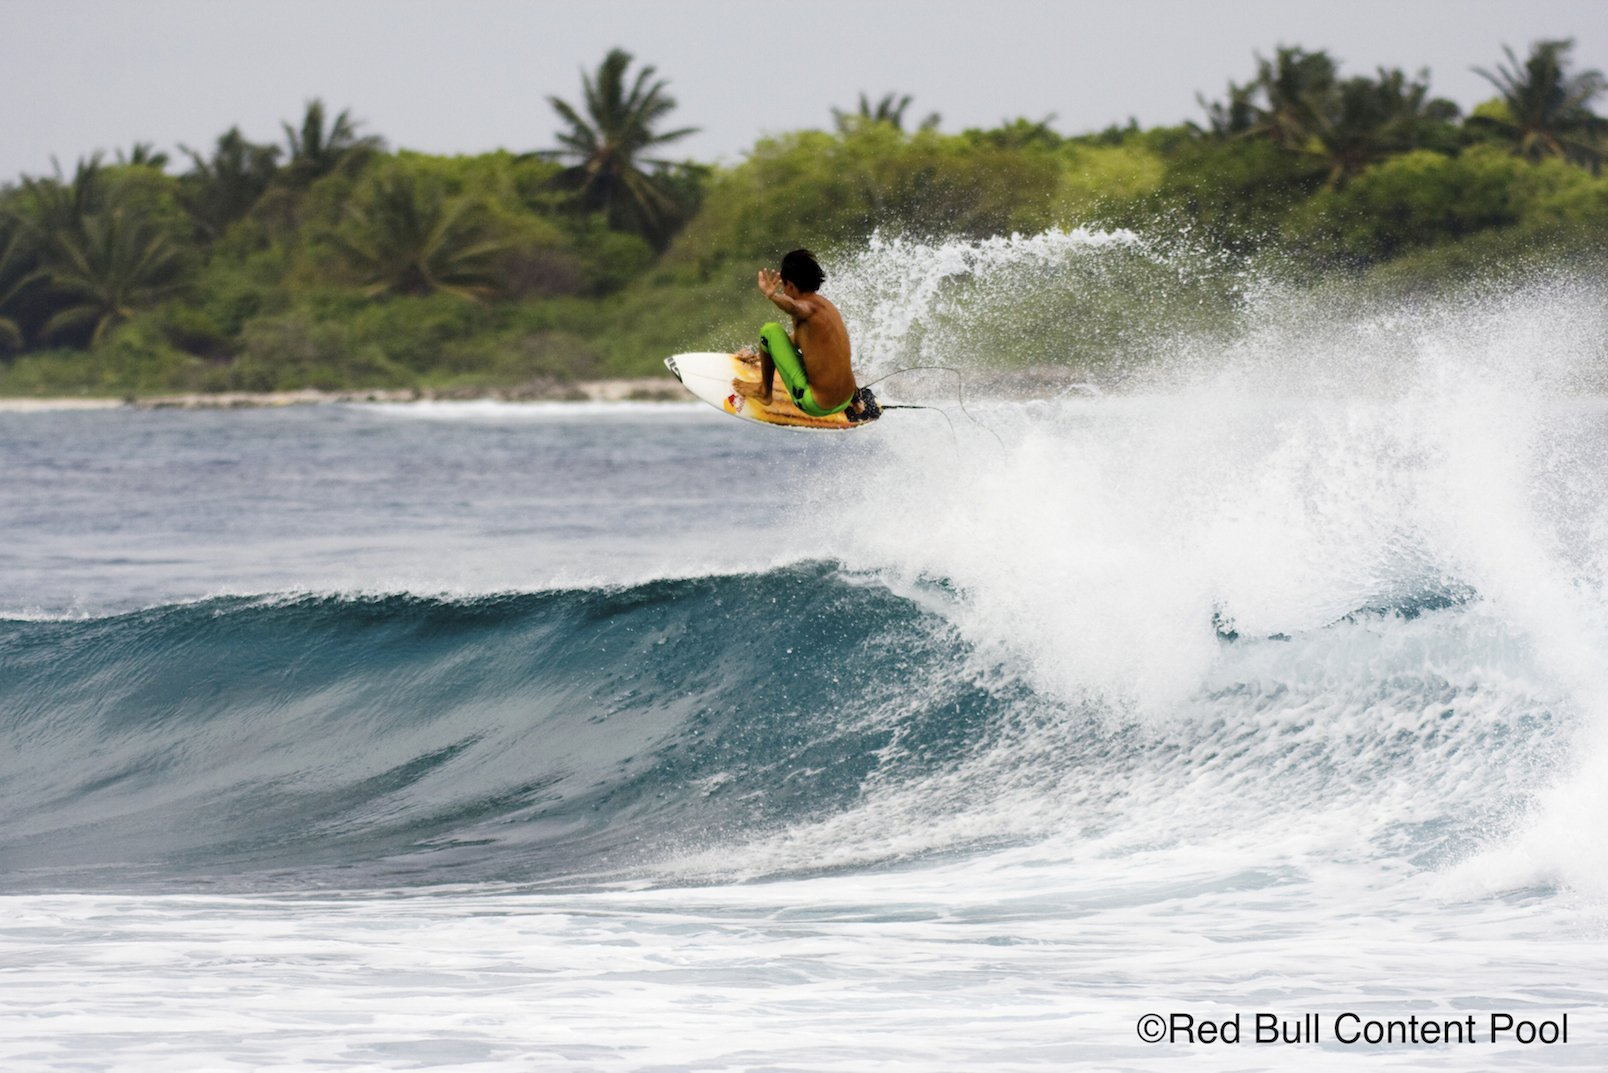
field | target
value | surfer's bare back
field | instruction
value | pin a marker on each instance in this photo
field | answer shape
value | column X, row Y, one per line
column 826, row 385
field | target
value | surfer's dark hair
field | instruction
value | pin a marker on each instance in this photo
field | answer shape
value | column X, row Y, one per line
column 801, row 270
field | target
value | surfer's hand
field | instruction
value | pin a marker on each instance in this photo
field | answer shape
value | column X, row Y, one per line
column 747, row 355
column 769, row 280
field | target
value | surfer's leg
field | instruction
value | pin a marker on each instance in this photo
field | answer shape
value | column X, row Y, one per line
column 775, row 344
column 778, row 348
column 767, row 377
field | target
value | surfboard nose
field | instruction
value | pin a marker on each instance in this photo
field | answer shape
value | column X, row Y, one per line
column 670, row 363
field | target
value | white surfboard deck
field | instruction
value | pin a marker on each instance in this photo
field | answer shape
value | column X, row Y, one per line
column 709, row 374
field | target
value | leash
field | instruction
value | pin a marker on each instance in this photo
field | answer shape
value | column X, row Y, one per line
column 960, row 396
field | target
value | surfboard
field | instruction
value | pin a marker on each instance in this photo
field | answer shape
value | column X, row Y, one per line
column 709, row 376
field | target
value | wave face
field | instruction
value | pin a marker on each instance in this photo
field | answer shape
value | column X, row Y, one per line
column 361, row 741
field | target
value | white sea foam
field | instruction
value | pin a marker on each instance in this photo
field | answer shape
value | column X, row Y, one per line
column 998, row 964
column 1330, row 454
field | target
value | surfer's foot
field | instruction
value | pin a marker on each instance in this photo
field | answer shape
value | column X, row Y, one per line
column 747, row 389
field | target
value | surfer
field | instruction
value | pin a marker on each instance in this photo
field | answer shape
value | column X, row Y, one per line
column 819, row 336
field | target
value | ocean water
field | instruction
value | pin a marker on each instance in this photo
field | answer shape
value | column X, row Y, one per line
column 1255, row 683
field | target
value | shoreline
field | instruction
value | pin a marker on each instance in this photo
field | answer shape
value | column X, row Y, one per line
column 620, row 389
column 1034, row 382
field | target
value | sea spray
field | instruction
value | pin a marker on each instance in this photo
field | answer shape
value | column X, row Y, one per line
column 1335, row 451
column 1046, row 302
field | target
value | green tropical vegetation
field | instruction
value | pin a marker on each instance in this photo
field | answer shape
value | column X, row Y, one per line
column 404, row 237
column 333, row 261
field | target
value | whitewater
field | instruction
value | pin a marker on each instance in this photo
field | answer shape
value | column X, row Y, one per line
column 1229, row 650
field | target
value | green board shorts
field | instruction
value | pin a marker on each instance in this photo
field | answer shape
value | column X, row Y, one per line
column 789, row 363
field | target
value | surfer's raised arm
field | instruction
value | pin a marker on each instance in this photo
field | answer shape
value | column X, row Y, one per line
column 770, row 285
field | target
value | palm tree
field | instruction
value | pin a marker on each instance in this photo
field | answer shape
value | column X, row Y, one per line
column 111, row 264
column 100, row 255
column 1231, row 118
column 1296, row 85
column 315, row 151
column 606, row 139
column 59, row 206
column 407, row 239
column 143, row 154
column 1282, row 103
column 221, row 190
column 1548, row 109
column 890, row 109
column 16, row 268
column 1297, row 102
column 1365, row 120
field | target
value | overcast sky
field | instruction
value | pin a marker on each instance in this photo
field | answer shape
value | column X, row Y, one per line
column 473, row 75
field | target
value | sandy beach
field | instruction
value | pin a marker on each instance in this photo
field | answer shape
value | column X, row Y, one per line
column 30, row 405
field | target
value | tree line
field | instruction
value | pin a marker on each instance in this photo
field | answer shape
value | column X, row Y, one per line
column 329, row 259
